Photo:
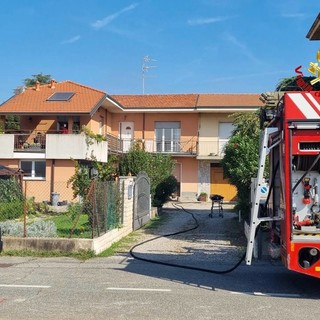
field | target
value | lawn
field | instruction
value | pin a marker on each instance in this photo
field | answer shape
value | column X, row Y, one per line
column 64, row 224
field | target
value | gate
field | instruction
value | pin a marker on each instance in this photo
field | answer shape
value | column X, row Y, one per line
column 141, row 201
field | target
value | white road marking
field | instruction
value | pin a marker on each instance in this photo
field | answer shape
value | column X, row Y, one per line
column 23, row 286
column 139, row 289
column 269, row 294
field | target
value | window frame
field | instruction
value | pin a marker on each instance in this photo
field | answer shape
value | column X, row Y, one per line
column 163, row 129
column 33, row 169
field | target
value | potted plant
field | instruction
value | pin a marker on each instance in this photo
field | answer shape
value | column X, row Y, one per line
column 203, row 196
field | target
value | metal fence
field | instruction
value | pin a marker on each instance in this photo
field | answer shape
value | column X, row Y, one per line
column 27, row 216
column 103, row 206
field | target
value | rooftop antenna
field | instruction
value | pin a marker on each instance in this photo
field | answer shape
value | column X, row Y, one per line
column 145, row 68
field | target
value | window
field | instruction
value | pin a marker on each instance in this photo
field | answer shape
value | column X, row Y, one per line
column 225, row 132
column 167, row 136
column 33, row 169
column 61, row 96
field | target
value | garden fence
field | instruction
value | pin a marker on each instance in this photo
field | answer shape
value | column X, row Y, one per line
column 25, row 215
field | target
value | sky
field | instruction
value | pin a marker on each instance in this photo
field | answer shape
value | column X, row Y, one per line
column 156, row 46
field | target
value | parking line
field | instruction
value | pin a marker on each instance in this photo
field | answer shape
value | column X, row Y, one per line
column 139, row 289
column 23, row 286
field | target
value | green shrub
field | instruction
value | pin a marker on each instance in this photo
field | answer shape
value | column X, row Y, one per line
column 164, row 190
column 74, row 210
column 10, row 190
column 11, row 210
column 36, row 208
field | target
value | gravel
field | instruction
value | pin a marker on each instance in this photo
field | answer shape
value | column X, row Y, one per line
column 216, row 241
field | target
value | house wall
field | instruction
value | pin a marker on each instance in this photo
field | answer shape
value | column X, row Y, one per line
column 209, row 124
column 94, row 122
column 36, row 124
column 144, row 125
column 58, row 172
column 44, row 123
column 188, row 170
column 57, row 178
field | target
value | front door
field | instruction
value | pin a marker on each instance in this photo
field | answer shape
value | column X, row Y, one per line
column 126, row 135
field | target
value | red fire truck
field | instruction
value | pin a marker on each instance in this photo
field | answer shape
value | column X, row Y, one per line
column 289, row 204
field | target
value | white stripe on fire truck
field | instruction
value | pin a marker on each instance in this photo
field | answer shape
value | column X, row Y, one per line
column 313, row 100
column 303, row 105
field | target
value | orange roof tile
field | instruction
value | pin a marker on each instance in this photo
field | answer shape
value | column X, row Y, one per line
column 229, row 100
column 157, row 101
column 85, row 100
column 183, row 101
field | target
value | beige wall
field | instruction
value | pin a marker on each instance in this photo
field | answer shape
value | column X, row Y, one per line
column 209, row 124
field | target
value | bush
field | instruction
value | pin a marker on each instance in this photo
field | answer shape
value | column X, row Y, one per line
column 11, row 228
column 158, row 167
column 10, row 190
column 41, row 228
column 35, row 208
column 11, row 210
column 164, row 190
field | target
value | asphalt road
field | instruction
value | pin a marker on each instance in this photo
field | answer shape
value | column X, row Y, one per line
column 121, row 287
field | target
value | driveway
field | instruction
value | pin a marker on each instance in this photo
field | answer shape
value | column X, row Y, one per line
column 213, row 241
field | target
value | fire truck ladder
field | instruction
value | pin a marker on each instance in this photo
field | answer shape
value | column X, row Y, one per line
column 255, row 219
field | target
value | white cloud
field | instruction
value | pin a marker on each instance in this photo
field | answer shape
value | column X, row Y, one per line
column 108, row 19
column 71, row 40
column 243, row 49
column 201, row 21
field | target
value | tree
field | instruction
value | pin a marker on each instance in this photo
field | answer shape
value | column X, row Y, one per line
column 157, row 166
column 42, row 78
column 240, row 162
column 12, row 122
column 290, row 84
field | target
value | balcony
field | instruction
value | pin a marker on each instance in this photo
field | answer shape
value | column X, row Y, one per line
column 51, row 146
column 182, row 147
column 203, row 148
column 211, row 149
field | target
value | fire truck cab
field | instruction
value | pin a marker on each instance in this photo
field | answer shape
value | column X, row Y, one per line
column 291, row 210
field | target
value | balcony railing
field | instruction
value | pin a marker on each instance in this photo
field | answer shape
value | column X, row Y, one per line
column 211, row 148
column 184, row 146
column 30, row 142
column 51, row 146
column 203, row 148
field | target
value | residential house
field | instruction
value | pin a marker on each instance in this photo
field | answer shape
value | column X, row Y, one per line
column 192, row 128
column 314, row 32
column 41, row 147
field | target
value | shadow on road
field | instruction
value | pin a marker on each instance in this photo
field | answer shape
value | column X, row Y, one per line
column 217, row 244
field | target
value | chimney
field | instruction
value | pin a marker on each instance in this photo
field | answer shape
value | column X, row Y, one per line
column 19, row 90
column 37, row 86
column 52, row 83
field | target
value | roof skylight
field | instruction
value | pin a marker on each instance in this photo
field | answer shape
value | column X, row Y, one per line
column 61, row 96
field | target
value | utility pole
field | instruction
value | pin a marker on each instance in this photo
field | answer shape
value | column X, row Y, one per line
column 145, row 68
